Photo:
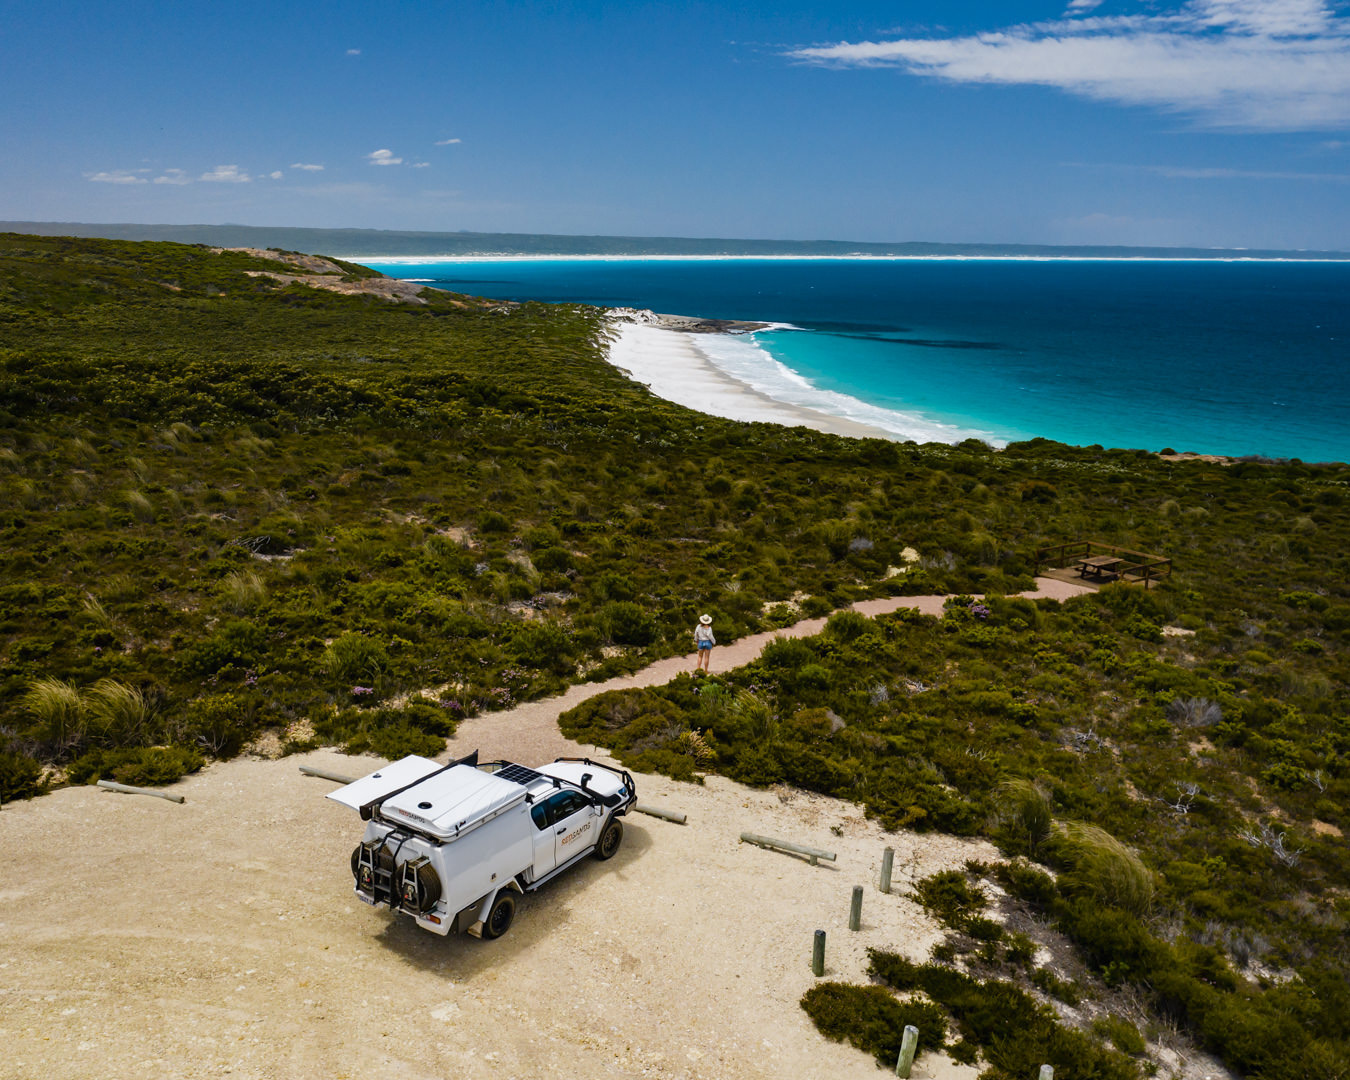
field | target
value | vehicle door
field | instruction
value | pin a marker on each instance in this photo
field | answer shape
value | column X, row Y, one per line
column 564, row 824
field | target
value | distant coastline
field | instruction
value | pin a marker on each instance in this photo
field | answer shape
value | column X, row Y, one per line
column 412, row 260
column 369, row 244
column 991, row 349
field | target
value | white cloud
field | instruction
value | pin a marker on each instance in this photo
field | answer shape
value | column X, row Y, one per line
column 177, row 177
column 353, row 52
column 448, row 142
column 1275, row 65
column 1195, row 172
column 421, row 165
column 384, row 157
column 307, row 168
column 275, row 174
column 1278, row 17
column 1083, row 5
column 1181, row 172
column 117, row 176
column 226, row 174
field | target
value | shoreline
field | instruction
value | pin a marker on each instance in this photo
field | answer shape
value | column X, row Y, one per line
column 676, row 358
column 666, row 361
column 516, row 256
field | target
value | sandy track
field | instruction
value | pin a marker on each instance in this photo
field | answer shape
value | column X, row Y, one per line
column 222, row 937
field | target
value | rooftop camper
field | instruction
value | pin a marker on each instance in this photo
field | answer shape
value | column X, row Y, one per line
column 453, row 845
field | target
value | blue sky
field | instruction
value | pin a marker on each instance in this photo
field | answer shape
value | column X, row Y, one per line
column 1207, row 122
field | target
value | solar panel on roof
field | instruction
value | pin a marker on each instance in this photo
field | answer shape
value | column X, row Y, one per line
column 520, row 774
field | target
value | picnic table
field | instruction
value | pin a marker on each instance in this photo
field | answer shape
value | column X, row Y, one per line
column 1101, row 567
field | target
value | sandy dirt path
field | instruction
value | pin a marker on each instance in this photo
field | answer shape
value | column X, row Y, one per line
column 222, row 937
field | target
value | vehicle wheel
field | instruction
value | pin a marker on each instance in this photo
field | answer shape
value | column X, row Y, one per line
column 499, row 918
column 610, row 839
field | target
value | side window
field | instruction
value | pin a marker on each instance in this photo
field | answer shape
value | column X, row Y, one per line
column 560, row 805
column 569, row 802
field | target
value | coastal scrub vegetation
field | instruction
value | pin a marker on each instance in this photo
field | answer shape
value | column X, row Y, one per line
column 232, row 505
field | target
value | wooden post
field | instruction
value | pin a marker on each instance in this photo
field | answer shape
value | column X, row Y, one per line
column 887, row 862
column 812, row 854
column 127, row 789
column 855, row 909
column 818, row 955
column 908, row 1044
column 324, row 774
column 1047, row 1072
column 667, row 815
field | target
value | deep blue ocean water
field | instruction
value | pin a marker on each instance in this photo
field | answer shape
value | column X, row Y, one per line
column 1214, row 357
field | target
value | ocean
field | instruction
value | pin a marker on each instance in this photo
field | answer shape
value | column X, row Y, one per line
column 1216, row 357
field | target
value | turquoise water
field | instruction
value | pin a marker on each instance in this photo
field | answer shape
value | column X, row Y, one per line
column 1216, row 357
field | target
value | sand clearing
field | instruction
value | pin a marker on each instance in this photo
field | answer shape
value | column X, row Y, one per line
column 222, row 936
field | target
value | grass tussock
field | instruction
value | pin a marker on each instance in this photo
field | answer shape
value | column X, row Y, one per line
column 1107, row 869
column 243, row 590
column 1023, row 811
column 60, row 708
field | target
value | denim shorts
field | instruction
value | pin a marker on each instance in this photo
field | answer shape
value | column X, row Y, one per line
column 704, row 645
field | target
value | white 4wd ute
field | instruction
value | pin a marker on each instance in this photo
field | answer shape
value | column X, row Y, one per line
column 454, row 845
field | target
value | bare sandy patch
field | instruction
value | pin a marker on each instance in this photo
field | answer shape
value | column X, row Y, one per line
column 222, row 935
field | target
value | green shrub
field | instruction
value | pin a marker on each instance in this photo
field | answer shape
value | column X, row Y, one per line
column 20, row 776
column 1065, row 990
column 1123, row 1035
column 1015, row 1034
column 847, row 625
column 949, row 897
column 236, row 644
column 219, row 724
column 395, row 741
column 626, row 623
column 149, row 766
column 544, row 644
column 873, row 1019
column 354, row 657
column 787, row 654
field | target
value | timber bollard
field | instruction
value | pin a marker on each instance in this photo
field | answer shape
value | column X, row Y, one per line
column 127, row 789
column 666, row 815
column 818, row 955
column 908, row 1044
column 1047, row 1072
column 855, row 909
column 324, row 774
column 812, row 854
column 887, row 862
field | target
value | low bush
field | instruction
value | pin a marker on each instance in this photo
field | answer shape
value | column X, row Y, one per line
column 949, row 897
column 150, row 766
column 20, row 776
column 873, row 1019
column 1014, row 1033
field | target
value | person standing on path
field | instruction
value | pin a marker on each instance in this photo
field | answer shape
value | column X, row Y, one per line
column 703, row 643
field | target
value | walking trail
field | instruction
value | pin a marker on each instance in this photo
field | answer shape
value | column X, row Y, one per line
column 529, row 732
column 218, row 937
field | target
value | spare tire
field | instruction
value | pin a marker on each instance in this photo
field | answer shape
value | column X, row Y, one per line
column 419, row 886
column 381, row 858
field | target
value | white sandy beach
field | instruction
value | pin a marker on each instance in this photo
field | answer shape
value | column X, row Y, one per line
column 670, row 364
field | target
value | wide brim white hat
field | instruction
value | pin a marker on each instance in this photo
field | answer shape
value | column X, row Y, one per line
column 705, row 619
